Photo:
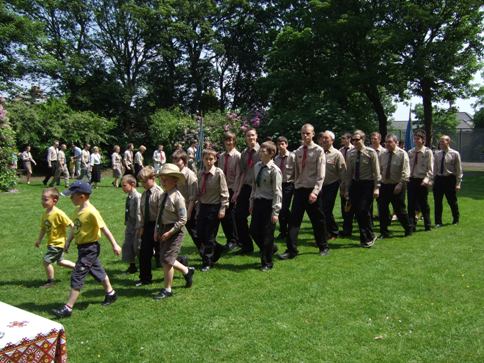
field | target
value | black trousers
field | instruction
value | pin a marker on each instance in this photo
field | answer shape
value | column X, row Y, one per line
column 262, row 229
column 191, row 227
column 285, row 213
column 445, row 185
column 300, row 204
column 146, row 252
column 347, row 218
column 328, row 199
column 418, row 198
column 398, row 202
column 207, row 228
column 241, row 217
column 361, row 197
column 228, row 222
column 50, row 173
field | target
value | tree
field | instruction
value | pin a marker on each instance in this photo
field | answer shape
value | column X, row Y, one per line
column 17, row 34
column 440, row 42
column 444, row 121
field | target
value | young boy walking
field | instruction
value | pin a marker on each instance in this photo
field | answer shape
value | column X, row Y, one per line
column 229, row 162
column 171, row 218
column 132, row 219
column 88, row 226
column 149, row 208
column 265, row 203
column 213, row 198
column 54, row 223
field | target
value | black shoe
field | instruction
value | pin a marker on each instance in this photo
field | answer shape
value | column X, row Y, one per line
column 231, row 246
column 189, row 277
column 131, row 270
column 384, row 235
column 205, row 268
column 428, row 228
column 274, row 249
column 142, row 283
column 183, row 260
column 244, row 252
column 163, row 294
column 324, row 252
column 455, row 221
column 408, row 233
column 282, row 236
column 62, row 312
column 286, row 256
column 265, row 268
column 109, row 299
column 345, row 234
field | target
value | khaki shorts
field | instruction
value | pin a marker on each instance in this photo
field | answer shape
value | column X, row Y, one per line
column 54, row 254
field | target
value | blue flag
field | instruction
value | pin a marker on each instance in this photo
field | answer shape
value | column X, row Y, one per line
column 409, row 132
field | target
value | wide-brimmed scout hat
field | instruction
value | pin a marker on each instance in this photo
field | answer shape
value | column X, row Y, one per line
column 169, row 169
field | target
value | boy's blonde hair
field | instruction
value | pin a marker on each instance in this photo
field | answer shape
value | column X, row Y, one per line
column 128, row 178
column 211, row 152
column 148, row 172
column 52, row 192
column 269, row 146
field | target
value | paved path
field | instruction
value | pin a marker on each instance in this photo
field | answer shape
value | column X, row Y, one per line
column 473, row 166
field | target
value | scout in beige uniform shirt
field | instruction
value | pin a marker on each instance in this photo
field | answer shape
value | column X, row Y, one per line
column 395, row 171
column 421, row 161
column 447, row 180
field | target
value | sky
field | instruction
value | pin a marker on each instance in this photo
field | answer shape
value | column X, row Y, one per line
column 463, row 105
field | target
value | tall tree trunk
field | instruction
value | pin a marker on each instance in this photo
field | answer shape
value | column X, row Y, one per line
column 374, row 96
column 427, row 106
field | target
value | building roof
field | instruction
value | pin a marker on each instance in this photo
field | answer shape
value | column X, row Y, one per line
column 465, row 122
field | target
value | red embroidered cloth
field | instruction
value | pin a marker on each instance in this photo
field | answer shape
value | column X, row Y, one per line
column 26, row 337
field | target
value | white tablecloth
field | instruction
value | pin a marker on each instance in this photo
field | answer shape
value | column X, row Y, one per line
column 26, row 337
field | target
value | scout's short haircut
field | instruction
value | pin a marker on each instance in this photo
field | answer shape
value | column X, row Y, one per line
column 269, row 146
column 129, row 179
column 206, row 152
column 360, row 134
column 393, row 137
column 250, row 129
column 148, row 172
column 375, row 133
column 129, row 145
column 230, row 136
column 52, row 192
column 180, row 154
column 282, row 139
column 420, row 133
column 346, row 135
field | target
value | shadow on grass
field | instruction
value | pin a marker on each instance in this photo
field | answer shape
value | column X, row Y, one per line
column 30, row 284
column 47, row 308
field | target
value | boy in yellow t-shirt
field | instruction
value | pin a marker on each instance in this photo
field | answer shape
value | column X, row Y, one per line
column 88, row 226
column 54, row 223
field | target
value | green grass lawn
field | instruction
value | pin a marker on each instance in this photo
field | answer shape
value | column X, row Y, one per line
column 416, row 299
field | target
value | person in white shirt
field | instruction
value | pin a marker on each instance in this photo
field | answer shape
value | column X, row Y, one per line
column 51, row 163
column 95, row 162
column 27, row 161
column 159, row 159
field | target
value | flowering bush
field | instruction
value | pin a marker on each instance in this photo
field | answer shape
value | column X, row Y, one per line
column 8, row 152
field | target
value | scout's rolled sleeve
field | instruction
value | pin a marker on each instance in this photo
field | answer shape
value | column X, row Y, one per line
column 277, row 192
column 182, row 213
column 321, row 172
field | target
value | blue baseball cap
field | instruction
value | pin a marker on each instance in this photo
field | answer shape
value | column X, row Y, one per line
column 78, row 187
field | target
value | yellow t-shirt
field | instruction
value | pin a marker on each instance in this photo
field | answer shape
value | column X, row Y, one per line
column 54, row 225
column 87, row 225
